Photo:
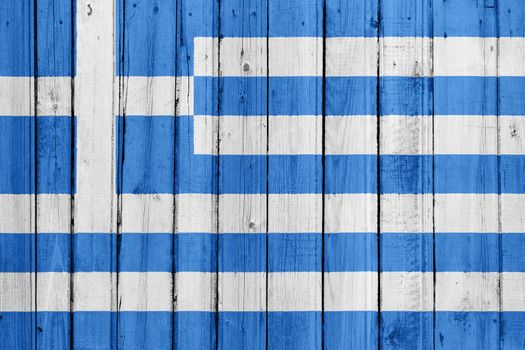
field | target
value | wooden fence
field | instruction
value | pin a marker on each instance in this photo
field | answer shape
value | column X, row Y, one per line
column 262, row 174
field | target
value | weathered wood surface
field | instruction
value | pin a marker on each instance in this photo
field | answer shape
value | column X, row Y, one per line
column 253, row 174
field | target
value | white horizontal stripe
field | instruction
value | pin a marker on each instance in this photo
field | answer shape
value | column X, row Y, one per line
column 151, row 291
column 195, row 291
column 287, row 291
column 343, row 213
column 247, row 56
column 144, row 213
column 513, row 291
column 294, row 291
column 406, row 213
column 399, row 56
column 247, row 135
column 471, row 291
column 351, row 135
column 350, row 213
column 54, row 96
column 53, row 210
column 407, row 291
column 288, row 213
column 241, row 291
column 53, row 291
column 146, row 96
column 350, row 291
column 94, row 291
column 346, row 135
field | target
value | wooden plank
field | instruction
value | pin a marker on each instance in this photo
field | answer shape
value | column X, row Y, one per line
column 145, row 250
column 350, row 220
column 94, row 246
column 242, row 241
column 196, row 183
column 511, row 129
column 480, row 252
column 406, row 183
column 17, row 161
column 54, row 171
column 242, row 218
column 295, row 182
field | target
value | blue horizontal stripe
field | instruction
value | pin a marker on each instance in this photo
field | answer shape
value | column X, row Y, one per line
column 287, row 252
column 17, row 154
column 196, row 330
column 294, row 330
column 356, row 95
column 350, row 330
column 406, row 330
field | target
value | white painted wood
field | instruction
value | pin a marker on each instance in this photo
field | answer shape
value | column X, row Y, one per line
column 290, row 213
column 350, row 213
column 467, row 291
column 95, row 206
column 350, row 291
column 351, row 56
column 241, row 291
column 351, row 134
column 294, row 291
column 94, row 291
column 347, row 135
column 407, row 213
column 242, row 214
column 147, row 213
column 408, row 57
column 458, row 212
column 145, row 291
column 401, row 56
column 195, row 291
column 155, row 96
column 18, row 292
column 408, row 291
column 54, row 96
column 53, row 292
column 196, row 213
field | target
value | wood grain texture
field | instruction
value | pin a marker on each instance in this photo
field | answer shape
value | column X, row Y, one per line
column 295, row 213
column 54, row 171
column 457, row 329
column 196, row 183
column 146, row 227
column 94, row 246
column 411, row 240
column 17, row 151
column 350, row 221
column 242, row 218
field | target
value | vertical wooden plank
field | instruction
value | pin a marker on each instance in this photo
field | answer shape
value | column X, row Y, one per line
column 54, row 171
column 467, row 294
column 511, row 149
column 406, row 175
column 94, row 246
column 17, row 204
column 146, row 129
column 295, row 52
column 196, row 179
column 350, row 202
column 242, row 119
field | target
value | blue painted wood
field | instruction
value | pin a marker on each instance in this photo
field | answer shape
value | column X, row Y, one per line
column 466, row 329
column 296, row 96
column 247, row 328
column 196, row 329
column 350, row 251
column 409, row 328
